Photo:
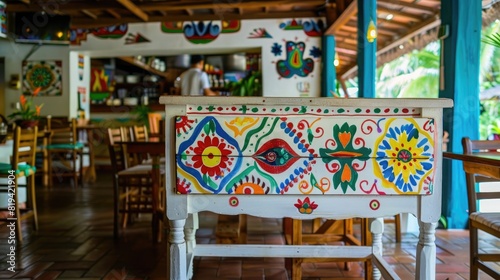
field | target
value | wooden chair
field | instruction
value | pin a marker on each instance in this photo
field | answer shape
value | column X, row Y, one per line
column 140, row 133
column 132, row 182
column 22, row 165
column 64, row 149
column 154, row 122
column 487, row 222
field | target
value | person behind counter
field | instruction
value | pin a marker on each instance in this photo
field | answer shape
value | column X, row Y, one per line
column 194, row 81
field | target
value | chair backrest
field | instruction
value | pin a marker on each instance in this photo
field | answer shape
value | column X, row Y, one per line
column 114, row 135
column 140, row 133
column 63, row 130
column 474, row 193
column 154, row 122
column 115, row 150
column 24, row 146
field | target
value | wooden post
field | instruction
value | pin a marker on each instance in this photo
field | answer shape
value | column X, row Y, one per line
column 461, row 83
column 367, row 12
column 329, row 74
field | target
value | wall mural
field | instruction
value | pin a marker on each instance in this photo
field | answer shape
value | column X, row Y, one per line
column 81, row 66
column 100, row 80
column 111, row 32
column 294, row 63
column 44, row 74
column 259, row 33
column 312, row 27
column 201, row 32
column 3, row 20
column 302, row 155
column 136, row 38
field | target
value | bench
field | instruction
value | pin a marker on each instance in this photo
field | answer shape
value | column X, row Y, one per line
column 302, row 158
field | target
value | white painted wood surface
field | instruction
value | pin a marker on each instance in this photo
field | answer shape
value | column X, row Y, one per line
column 427, row 208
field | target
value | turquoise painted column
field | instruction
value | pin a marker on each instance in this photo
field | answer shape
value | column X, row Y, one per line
column 461, row 83
column 367, row 12
column 329, row 73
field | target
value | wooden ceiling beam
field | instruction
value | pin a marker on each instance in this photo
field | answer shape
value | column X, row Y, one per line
column 170, row 6
column 418, row 29
column 89, row 14
column 153, row 6
column 86, row 23
column 134, row 9
column 423, row 9
column 349, row 12
column 113, row 13
column 398, row 13
column 75, row 6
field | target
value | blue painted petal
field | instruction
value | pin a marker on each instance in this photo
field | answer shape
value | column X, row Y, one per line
column 426, row 165
column 422, row 142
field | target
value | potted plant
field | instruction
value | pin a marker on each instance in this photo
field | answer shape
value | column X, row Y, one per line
column 27, row 113
column 250, row 85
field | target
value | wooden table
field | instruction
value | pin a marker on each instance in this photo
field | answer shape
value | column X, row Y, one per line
column 484, row 163
column 156, row 149
column 302, row 158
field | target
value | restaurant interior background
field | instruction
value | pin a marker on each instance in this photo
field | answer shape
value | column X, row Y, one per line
column 95, row 69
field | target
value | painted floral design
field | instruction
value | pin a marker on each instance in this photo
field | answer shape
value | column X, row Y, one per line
column 211, row 156
column 183, row 124
column 404, row 157
column 306, row 206
column 183, row 187
column 241, row 124
column 340, row 159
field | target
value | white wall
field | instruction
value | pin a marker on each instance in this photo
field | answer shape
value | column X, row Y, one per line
column 14, row 55
column 176, row 43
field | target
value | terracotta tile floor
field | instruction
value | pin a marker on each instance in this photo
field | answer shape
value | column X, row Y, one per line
column 75, row 242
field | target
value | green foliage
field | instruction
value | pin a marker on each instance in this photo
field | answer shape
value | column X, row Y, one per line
column 141, row 114
column 492, row 39
column 489, row 120
column 250, row 85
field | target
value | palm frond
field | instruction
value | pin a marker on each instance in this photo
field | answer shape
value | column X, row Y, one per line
column 492, row 39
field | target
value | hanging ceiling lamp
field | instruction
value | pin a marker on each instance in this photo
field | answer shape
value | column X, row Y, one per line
column 371, row 33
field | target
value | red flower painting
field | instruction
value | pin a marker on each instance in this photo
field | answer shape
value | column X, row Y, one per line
column 211, row 156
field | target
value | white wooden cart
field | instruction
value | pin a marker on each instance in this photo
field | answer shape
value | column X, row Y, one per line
column 302, row 158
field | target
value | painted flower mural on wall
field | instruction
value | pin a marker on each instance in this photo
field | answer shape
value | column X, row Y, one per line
column 404, row 157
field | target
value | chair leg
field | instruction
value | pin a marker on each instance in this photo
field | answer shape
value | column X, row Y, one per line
column 19, row 232
column 366, row 239
column 49, row 169
column 80, row 173
column 297, row 240
column 75, row 168
column 397, row 227
column 31, row 194
column 115, row 210
column 474, row 270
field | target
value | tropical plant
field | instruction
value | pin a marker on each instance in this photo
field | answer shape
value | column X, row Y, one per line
column 26, row 109
column 415, row 74
column 250, row 85
column 141, row 114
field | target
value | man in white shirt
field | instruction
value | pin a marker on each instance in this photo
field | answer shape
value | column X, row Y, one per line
column 194, row 81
